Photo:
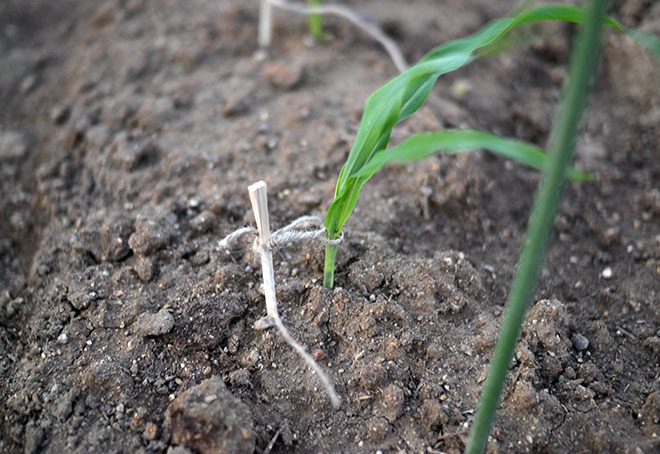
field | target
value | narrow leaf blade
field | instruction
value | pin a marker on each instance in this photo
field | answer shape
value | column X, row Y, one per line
column 455, row 141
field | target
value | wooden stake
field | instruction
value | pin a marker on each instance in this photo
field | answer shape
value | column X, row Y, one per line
column 259, row 201
column 265, row 24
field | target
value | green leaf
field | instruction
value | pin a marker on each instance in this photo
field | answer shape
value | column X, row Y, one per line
column 405, row 94
column 651, row 42
column 455, row 141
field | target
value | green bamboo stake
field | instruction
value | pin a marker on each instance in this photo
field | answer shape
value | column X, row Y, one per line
column 583, row 63
column 314, row 21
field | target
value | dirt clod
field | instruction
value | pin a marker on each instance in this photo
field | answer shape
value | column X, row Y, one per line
column 149, row 324
column 203, row 222
column 145, row 268
column 150, row 235
column 150, row 431
column 391, row 403
column 283, row 77
column 34, row 435
column 652, row 343
column 209, row 419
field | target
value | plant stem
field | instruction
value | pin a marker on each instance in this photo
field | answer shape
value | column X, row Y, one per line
column 329, row 268
column 315, row 26
column 583, row 62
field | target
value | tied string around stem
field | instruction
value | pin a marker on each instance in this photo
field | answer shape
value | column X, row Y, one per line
column 291, row 233
column 264, row 245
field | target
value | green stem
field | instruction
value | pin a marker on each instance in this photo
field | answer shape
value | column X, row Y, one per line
column 315, row 25
column 583, row 62
column 329, row 269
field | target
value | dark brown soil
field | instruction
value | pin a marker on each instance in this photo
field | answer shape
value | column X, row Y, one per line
column 129, row 131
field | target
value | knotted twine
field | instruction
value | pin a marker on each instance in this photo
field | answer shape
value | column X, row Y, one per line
column 288, row 234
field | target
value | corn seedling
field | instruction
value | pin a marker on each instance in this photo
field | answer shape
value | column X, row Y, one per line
column 405, row 94
column 314, row 22
column 318, row 10
column 562, row 138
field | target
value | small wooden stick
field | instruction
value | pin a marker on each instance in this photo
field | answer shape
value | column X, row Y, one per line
column 265, row 24
column 259, row 201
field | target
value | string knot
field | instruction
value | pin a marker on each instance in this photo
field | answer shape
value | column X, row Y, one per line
column 293, row 232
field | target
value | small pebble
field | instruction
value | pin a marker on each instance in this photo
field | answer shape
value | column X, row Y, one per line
column 580, row 342
column 12, row 146
column 283, row 77
column 62, row 338
column 145, row 269
column 607, row 273
column 460, row 88
column 150, row 235
column 150, row 431
column 236, row 104
column 240, row 377
column 264, row 323
column 161, row 322
column 203, row 222
column 60, row 114
column 318, row 355
column 29, row 83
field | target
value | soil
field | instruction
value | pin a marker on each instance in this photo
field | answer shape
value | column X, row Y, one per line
column 129, row 133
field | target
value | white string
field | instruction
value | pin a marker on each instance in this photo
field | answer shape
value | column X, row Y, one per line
column 376, row 33
column 235, row 235
column 288, row 234
column 283, row 236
